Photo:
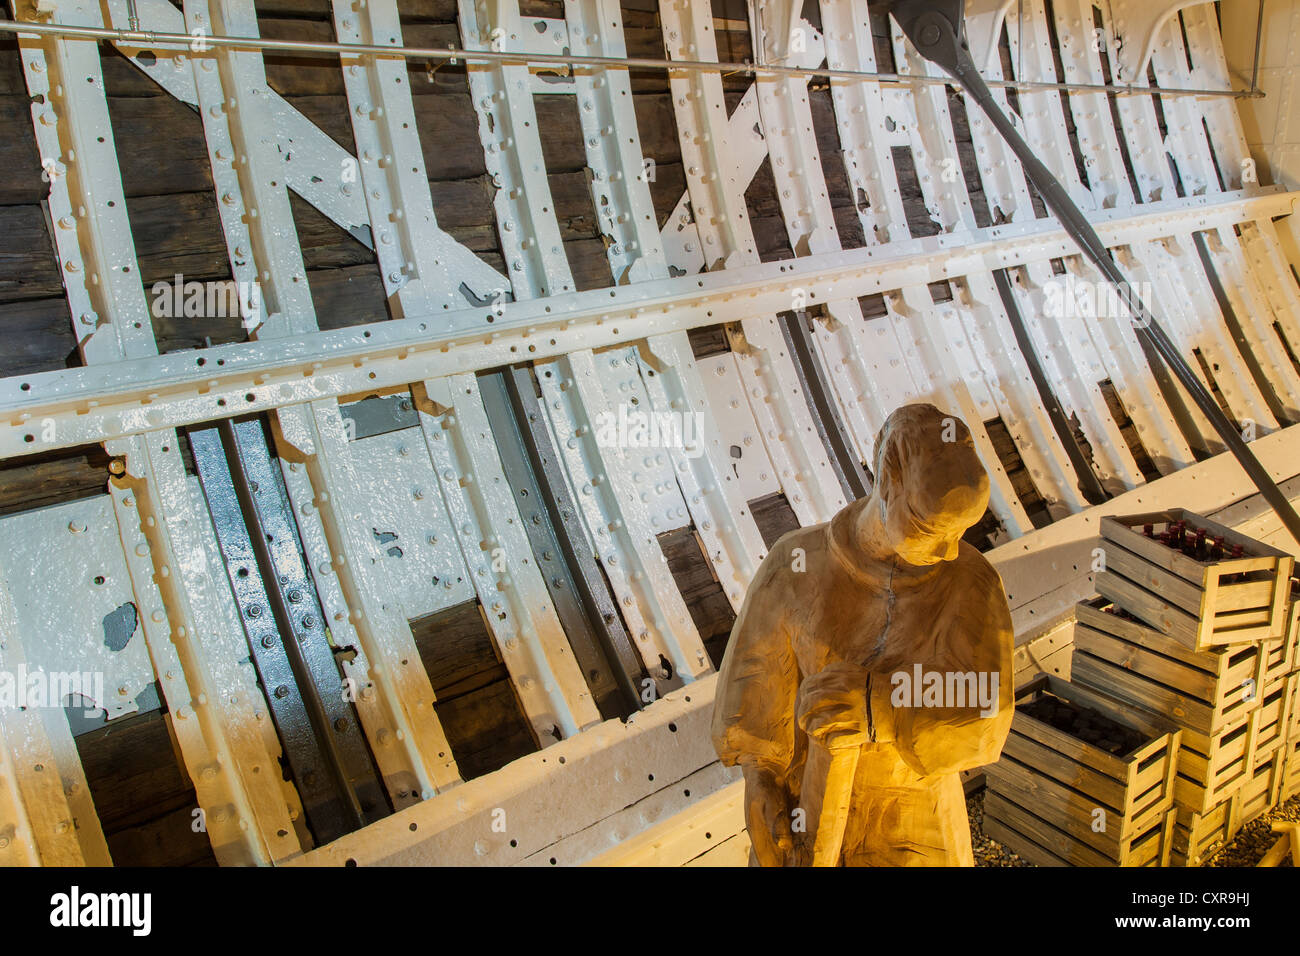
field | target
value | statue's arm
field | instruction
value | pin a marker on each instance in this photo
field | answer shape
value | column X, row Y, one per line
column 753, row 713
column 941, row 740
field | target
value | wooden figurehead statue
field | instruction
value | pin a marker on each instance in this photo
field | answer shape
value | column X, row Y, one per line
column 870, row 664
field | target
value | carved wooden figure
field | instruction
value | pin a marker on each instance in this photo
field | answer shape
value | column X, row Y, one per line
column 870, row 664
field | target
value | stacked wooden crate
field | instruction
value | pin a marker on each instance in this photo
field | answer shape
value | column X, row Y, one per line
column 1290, row 757
column 1203, row 636
column 1047, row 653
column 1083, row 780
column 1278, row 721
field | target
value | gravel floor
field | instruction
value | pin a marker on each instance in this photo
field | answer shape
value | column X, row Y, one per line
column 1245, row 850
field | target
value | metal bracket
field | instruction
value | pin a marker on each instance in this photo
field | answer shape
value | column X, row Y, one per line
column 551, row 686
column 46, row 814
column 285, row 628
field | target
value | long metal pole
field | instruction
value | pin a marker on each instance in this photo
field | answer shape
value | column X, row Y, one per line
column 933, row 29
column 1259, row 35
column 139, row 39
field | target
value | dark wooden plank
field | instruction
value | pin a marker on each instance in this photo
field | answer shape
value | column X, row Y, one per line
column 301, row 73
column 486, row 729
column 11, row 70
column 774, row 517
column 19, row 157
column 29, row 268
column 123, row 78
column 169, row 839
column 1021, row 481
column 589, row 265
column 480, row 714
column 457, row 650
column 52, row 477
column 170, row 135
column 449, row 136
column 349, row 296
column 178, row 234
column 667, row 186
column 704, row 597
column 709, row 340
column 572, row 201
column 770, row 239
column 38, row 337
column 142, row 794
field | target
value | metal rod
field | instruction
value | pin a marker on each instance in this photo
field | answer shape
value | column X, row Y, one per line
column 1259, row 33
column 147, row 38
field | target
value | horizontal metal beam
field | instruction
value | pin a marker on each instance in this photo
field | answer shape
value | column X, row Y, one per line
column 137, row 38
column 78, row 406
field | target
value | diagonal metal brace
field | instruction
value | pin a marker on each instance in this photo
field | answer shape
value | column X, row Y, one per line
column 937, row 29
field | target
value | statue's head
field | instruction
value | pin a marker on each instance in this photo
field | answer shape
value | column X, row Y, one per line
column 930, row 485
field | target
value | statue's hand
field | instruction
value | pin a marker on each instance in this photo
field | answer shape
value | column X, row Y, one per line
column 767, row 817
column 832, row 705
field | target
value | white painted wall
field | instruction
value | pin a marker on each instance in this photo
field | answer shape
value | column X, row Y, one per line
column 1272, row 123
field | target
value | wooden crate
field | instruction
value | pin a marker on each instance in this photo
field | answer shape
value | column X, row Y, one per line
column 1044, row 845
column 1237, row 754
column 1050, row 788
column 1046, row 654
column 1204, row 692
column 1286, row 658
column 1205, row 780
column 1291, row 769
column 1291, row 746
column 1198, row 836
column 1276, row 722
column 1262, row 791
column 1196, row 602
